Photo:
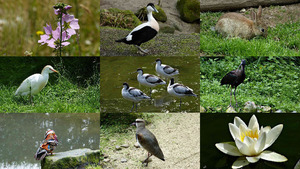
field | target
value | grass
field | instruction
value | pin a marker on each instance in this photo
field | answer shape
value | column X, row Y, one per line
column 59, row 97
column 20, row 20
column 282, row 40
column 270, row 81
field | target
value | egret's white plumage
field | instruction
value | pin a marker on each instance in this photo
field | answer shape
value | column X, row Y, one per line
column 143, row 32
column 133, row 94
column 148, row 79
column 35, row 83
column 165, row 70
column 179, row 90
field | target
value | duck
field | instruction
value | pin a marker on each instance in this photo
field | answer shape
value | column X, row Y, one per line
column 144, row 32
column 148, row 79
column 33, row 84
column 133, row 94
column 49, row 144
column 179, row 90
column 234, row 78
column 165, row 71
column 147, row 140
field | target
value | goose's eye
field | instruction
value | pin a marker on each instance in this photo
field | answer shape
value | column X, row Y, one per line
column 262, row 30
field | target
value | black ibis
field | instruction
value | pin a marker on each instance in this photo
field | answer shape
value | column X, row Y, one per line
column 234, row 79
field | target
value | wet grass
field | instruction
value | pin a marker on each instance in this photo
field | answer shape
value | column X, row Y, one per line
column 270, row 81
column 20, row 20
column 62, row 96
column 282, row 40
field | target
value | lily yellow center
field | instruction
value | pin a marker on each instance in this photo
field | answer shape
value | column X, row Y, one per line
column 250, row 133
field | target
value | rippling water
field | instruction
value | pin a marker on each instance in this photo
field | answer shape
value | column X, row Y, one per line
column 21, row 135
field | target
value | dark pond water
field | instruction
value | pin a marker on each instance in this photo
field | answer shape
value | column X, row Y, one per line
column 117, row 70
column 21, row 135
column 214, row 129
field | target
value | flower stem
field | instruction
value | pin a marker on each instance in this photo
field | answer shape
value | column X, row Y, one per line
column 60, row 40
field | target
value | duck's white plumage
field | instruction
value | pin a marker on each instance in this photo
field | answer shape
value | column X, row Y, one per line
column 35, row 83
column 133, row 94
column 179, row 90
column 143, row 32
column 148, row 79
column 165, row 70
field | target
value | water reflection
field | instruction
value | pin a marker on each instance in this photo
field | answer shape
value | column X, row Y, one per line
column 21, row 135
column 117, row 70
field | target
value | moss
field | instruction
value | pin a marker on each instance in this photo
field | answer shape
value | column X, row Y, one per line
column 118, row 18
column 189, row 10
column 160, row 16
column 167, row 29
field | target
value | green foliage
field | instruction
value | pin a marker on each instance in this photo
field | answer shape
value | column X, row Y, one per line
column 114, row 17
column 271, row 81
column 283, row 40
column 189, row 10
column 22, row 19
column 160, row 16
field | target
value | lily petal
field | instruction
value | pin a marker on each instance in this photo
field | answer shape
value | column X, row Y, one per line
column 272, row 135
column 272, row 156
column 253, row 123
column 228, row 148
column 261, row 142
column 250, row 143
column 238, row 121
column 234, row 131
column 243, row 148
column 240, row 162
column 264, row 129
column 252, row 159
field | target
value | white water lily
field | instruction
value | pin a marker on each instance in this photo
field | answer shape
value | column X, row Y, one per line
column 250, row 142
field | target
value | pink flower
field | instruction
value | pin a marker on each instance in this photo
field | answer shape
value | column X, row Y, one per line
column 54, row 42
column 70, row 23
column 58, row 11
column 48, row 34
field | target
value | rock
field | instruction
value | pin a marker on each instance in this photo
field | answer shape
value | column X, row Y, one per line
column 243, row 10
column 167, row 29
column 278, row 111
column 136, row 145
column 125, row 145
column 123, row 160
column 71, row 159
column 113, row 141
column 266, row 109
column 250, row 107
column 160, row 16
column 118, row 148
column 105, row 156
column 106, row 160
column 114, row 17
column 202, row 109
column 230, row 110
column 294, row 111
column 219, row 109
column 189, row 10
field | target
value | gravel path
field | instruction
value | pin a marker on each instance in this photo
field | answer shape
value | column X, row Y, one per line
column 178, row 136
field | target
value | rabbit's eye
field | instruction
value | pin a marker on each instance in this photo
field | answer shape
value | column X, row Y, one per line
column 263, row 30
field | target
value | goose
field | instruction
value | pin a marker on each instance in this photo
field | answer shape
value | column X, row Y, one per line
column 179, row 90
column 165, row 70
column 33, row 84
column 143, row 32
column 148, row 79
column 234, row 79
column 133, row 94
column 147, row 141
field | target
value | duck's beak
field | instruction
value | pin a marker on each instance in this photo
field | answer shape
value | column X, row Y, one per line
column 155, row 10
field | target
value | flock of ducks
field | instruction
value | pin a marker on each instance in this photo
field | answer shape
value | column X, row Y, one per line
column 174, row 89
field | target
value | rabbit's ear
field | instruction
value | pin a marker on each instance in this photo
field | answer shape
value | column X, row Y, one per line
column 253, row 16
column 259, row 12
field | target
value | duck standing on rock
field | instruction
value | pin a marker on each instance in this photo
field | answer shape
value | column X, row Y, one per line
column 147, row 141
column 143, row 32
column 49, row 144
column 234, row 79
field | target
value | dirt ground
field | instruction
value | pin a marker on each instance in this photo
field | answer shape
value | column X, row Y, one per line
column 178, row 135
column 169, row 6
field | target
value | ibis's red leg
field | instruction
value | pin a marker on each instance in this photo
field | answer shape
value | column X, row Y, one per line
column 230, row 95
column 236, row 104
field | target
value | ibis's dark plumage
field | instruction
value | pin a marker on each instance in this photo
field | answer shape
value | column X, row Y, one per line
column 235, row 78
column 143, row 32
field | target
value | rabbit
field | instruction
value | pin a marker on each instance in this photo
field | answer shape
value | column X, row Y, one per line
column 236, row 25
